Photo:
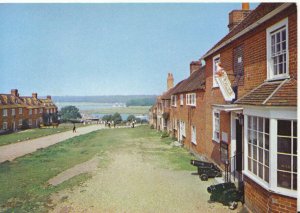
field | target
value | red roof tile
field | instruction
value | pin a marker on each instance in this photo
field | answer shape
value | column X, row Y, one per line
column 277, row 93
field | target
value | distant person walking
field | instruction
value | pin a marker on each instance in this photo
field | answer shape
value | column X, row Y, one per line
column 74, row 128
column 108, row 124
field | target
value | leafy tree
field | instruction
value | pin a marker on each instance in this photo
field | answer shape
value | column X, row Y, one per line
column 117, row 118
column 107, row 118
column 69, row 112
column 130, row 118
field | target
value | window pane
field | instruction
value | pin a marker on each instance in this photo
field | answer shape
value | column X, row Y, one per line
column 284, row 145
column 283, row 46
column 249, row 122
column 267, row 158
column 255, row 167
column 260, row 170
column 295, row 128
column 280, row 70
column 273, row 39
column 260, row 155
column 284, row 127
column 277, row 37
column 266, row 125
column 295, row 146
column 267, row 174
column 267, row 142
column 249, row 164
column 254, row 152
column 284, row 179
column 283, row 35
column 255, row 123
column 254, row 137
column 249, row 150
column 284, row 162
column 295, row 164
column 260, row 139
column 295, row 181
column 249, row 136
column 260, row 124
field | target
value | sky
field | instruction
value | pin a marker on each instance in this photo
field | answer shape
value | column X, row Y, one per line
column 104, row 48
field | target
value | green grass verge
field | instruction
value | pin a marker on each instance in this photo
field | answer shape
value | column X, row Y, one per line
column 23, row 182
column 34, row 133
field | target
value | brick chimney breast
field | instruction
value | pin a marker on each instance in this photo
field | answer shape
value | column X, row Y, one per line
column 194, row 66
column 170, row 81
column 14, row 92
column 237, row 16
column 49, row 97
column 34, row 95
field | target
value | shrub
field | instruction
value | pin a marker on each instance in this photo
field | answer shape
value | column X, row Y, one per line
column 152, row 126
column 165, row 134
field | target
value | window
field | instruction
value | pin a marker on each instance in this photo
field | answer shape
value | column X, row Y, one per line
column 20, row 111
column 181, row 99
column 216, row 60
column 30, row 122
column 277, row 50
column 4, row 113
column 4, row 126
column 191, row 99
column 41, row 110
column 13, row 112
column 30, row 111
column 35, row 111
column 287, row 154
column 20, row 122
column 216, row 126
column 258, row 147
column 174, row 100
column 193, row 133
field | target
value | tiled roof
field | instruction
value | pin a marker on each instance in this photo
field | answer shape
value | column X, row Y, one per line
column 196, row 81
column 8, row 101
column 167, row 95
column 259, row 12
column 277, row 93
column 48, row 103
column 31, row 102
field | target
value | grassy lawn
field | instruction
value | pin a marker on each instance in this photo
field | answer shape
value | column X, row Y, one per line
column 136, row 110
column 23, row 182
column 34, row 133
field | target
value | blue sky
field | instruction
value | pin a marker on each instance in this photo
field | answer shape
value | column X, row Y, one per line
column 104, row 49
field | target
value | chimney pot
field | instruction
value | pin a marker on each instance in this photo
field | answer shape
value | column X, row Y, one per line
column 194, row 66
column 49, row 97
column 170, row 81
column 245, row 6
column 237, row 16
column 14, row 92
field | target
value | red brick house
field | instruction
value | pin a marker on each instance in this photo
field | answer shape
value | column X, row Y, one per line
column 257, row 132
column 17, row 111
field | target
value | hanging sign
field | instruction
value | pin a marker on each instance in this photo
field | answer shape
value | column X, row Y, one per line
column 224, row 83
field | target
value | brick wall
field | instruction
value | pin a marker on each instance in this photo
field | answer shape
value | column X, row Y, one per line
column 258, row 199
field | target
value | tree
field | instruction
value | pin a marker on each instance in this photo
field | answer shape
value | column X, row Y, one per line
column 131, row 118
column 107, row 118
column 69, row 112
column 117, row 118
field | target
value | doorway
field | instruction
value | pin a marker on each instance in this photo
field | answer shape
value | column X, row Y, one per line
column 239, row 146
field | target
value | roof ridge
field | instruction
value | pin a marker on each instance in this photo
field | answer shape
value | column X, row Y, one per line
column 278, row 87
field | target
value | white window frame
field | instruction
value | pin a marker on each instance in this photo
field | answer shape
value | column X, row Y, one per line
column 20, row 122
column 270, row 69
column 216, row 59
column 214, row 125
column 181, row 99
column 30, row 122
column 13, row 112
column 20, row 111
column 35, row 111
column 193, row 135
column 4, row 127
column 273, row 114
column 30, row 111
column 5, row 112
column 41, row 110
column 191, row 99
column 174, row 100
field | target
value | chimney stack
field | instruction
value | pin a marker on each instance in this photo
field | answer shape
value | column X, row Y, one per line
column 49, row 97
column 194, row 66
column 237, row 16
column 34, row 95
column 170, row 81
column 14, row 92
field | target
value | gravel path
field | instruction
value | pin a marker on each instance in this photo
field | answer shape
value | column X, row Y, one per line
column 135, row 181
column 12, row 151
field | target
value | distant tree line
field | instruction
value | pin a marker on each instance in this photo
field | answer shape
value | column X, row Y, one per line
column 141, row 102
column 69, row 113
